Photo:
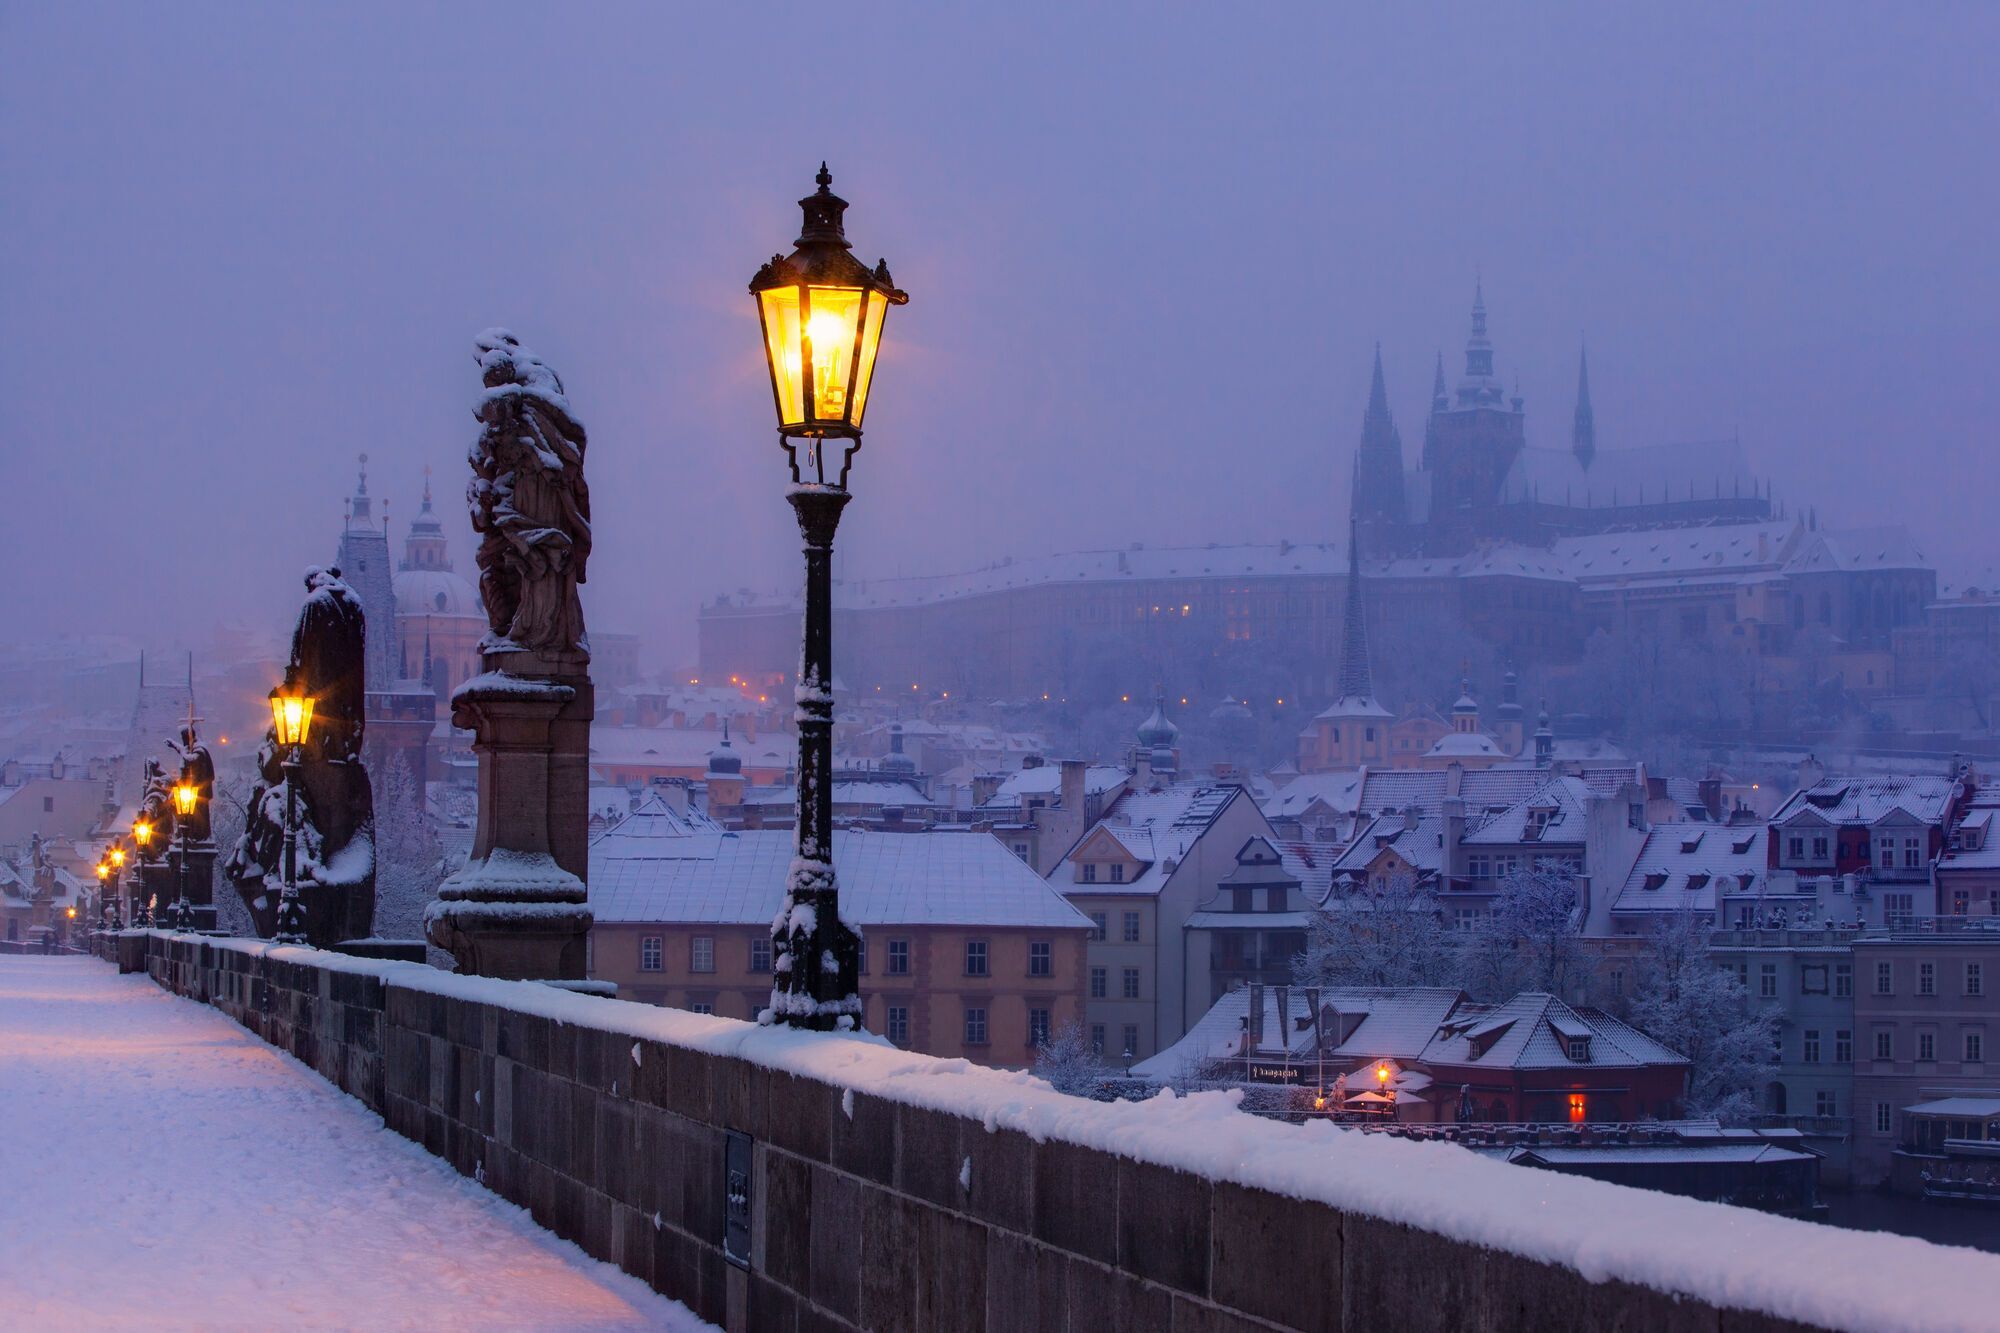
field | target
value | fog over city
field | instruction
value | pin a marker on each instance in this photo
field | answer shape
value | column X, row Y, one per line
column 1149, row 255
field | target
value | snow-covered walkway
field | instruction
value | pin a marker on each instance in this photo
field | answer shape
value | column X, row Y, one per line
column 161, row 1167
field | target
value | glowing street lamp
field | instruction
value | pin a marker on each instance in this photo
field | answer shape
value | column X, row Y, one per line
column 187, row 798
column 821, row 311
column 291, row 721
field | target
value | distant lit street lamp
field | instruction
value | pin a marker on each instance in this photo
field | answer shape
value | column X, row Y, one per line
column 142, row 836
column 187, row 797
column 821, row 311
column 291, row 719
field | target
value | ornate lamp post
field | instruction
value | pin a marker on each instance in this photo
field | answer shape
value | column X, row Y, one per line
column 821, row 311
column 291, row 719
column 142, row 837
column 187, row 797
column 104, row 891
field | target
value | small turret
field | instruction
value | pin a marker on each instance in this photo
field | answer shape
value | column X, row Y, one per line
column 896, row 763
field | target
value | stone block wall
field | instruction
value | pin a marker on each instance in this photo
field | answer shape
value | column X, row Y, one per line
column 864, row 1212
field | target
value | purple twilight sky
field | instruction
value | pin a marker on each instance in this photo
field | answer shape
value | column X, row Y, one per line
column 1148, row 250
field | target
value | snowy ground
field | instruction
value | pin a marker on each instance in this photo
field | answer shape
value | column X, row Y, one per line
column 162, row 1168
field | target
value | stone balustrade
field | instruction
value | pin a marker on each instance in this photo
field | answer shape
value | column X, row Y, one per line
column 889, row 1190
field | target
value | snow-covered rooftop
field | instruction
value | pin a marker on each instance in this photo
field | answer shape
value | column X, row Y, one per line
column 1681, row 867
column 641, row 871
column 1923, row 797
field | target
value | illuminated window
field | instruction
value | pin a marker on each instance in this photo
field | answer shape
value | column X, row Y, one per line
column 1576, row 1108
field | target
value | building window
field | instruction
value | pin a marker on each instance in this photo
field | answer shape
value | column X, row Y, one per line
column 1975, row 1047
column 1926, row 978
column 975, row 958
column 1795, row 848
column 1926, row 1046
column 1913, row 856
column 652, row 953
column 899, row 958
column 1885, row 979
column 1038, row 1027
column 700, row 1007
column 1809, row 1047
column 1098, row 989
column 1975, row 979
column 1131, row 934
column 701, row 954
column 760, row 953
column 1117, row 872
column 1843, row 981
column 1131, row 983
column 1131, row 1039
column 1885, row 1045
column 1819, row 847
column 1097, row 1039
column 1579, row 1049
column 1041, row 958
column 1479, row 867
column 899, row 1024
column 1899, row 909
column 1021, row 850
column 1823, row 1103
column 1090, row 872
column 1885, row 853
column 1812, row 979
column 1465, row 918
column 1843, row 1047
column 1883, row 1117
column 1767, row 981
column 861, row 956
column 975, row 1027
column 1617, row 981
column 1097, row 927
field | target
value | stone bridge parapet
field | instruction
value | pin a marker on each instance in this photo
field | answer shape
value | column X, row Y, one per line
column 874, row 1188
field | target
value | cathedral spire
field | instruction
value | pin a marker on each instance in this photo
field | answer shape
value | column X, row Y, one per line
column 1479, row 388
column 1583, row 434
column 1357, row 684
column 1378, row 463
column 1440, row 400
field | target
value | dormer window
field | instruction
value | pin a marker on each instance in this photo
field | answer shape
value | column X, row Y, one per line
column 1117, row 872
column 1090, row 872
column 1656, row 881
column 1579, row 1049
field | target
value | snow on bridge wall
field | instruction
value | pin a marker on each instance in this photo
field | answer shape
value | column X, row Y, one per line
column 892, row 1190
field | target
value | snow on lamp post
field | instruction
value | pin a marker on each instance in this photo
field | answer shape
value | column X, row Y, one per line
column 187, row 797
column 291, row 721
column 821, row 311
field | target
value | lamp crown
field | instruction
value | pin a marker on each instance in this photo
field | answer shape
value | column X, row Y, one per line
column 824, row 211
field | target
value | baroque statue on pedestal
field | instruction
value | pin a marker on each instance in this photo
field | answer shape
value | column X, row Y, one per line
column 529, row 503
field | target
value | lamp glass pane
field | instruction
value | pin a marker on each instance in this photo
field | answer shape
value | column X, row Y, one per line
column 831, row 327
column 871, row 342
column 780, row 307
column 305, row 717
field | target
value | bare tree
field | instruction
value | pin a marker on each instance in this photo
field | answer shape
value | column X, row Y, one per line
column 1529, row 941
column 1690, row 1005
column 1068, row 1063
column 1391, row 936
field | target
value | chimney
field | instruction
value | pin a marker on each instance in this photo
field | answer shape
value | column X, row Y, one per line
column 1029, row 761
column 1711, row 797
column 1072, row 786
column 1454, row 832
column 1811, row 772
column 1410, row 817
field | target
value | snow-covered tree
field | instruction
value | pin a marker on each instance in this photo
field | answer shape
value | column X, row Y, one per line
column 1529, row 941
column 1392, row 936
column 1067, row 1063
column 1687, row 1003
column 411, row 858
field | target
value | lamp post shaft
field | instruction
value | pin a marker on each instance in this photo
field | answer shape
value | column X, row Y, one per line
column 815, row 955
column 290, row 924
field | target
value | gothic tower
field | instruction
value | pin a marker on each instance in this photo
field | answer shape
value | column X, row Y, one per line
column 1583, row 432
column 364, row 563
column 1473, row 441
column 1378, row 470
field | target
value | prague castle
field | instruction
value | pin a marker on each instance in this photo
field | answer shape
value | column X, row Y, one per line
column 1530, row 548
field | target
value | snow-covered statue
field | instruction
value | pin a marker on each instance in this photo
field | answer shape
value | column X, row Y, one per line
column 197, row 769
column 156, row 807
column 530, row 505
column 329, row 653
column 335, row 806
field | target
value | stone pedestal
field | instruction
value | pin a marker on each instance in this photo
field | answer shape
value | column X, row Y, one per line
column 519, row 909
column 153, row 883
column 200, row 884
